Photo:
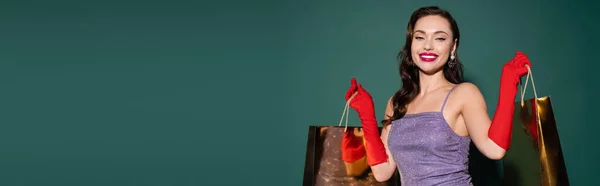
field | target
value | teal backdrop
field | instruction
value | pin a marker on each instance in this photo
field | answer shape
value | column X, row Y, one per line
column 222, row 92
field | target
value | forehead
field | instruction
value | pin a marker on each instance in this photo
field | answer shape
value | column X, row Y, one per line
column 432, row 24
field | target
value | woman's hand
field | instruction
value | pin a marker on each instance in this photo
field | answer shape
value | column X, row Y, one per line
column 501, row 128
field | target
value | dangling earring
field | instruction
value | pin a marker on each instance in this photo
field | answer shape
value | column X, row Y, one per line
column 452, row 62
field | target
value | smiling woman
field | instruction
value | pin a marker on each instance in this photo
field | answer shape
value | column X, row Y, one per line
column 433, row 40
column 430, row 122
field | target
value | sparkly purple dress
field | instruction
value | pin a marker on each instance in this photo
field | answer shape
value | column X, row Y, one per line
column 427, row 151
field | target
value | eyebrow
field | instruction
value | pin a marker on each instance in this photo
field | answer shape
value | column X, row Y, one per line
column 436, row 32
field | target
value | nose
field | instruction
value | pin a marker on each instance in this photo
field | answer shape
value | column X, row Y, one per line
column 428, row 45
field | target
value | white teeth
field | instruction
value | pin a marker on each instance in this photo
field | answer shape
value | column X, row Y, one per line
column 430, row 57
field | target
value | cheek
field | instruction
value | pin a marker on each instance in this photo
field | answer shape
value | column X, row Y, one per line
column 414, row 51
column 414, row 47
column 444, row 47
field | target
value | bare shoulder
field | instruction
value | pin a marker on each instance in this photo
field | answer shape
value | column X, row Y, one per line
column 389, row 108
column 389, row 102
column 467, row 90
column 469, row 93
column 389, row 111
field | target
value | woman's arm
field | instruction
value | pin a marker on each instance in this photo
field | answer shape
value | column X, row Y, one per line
column 384, row 171
column 378, row 157
column 477, row 120
column 493, row 137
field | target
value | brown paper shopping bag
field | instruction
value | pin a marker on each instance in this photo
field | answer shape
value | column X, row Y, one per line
column 535, row 157
column 324, row 165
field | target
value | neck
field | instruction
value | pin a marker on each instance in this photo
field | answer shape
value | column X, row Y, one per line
column 431, row 82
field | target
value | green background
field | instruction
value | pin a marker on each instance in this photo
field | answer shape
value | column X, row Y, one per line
column 222, row 92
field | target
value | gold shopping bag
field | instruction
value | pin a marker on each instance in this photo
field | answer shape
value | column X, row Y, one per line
column 535, row 156
column 324, row 165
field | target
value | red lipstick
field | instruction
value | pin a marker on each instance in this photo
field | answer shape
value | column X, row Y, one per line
column 428, row 56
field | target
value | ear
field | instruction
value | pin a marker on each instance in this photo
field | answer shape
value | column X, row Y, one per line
column 454, row 47
column 453, row 52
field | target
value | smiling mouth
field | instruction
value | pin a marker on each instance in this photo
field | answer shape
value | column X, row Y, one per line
column 428, row 57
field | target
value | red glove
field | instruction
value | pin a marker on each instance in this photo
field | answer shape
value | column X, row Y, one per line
column 363, row 104
column 352, row 147
column 501, row 129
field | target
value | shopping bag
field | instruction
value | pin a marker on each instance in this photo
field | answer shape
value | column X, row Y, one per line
column 535, row 156
column 324, row 164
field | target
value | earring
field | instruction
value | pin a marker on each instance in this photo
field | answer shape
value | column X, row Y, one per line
column 452, row 62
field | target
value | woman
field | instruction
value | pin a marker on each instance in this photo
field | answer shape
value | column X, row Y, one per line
column 430, row 122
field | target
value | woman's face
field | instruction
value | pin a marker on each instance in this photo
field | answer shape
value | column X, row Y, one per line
column 432, row 43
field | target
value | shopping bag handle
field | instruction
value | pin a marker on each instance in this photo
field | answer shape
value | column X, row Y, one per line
column 346, row 111
column 529, row 74
column 534, row 104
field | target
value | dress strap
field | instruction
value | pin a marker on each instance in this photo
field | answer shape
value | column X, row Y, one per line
column 448, row 95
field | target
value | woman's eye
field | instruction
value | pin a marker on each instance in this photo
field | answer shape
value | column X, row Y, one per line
column 441, row 39
column 419, row 38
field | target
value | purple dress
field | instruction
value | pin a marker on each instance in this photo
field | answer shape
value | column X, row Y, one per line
column 427, row 151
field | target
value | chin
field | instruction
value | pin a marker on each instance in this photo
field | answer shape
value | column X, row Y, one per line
column 429, row 68
column 429, row 71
